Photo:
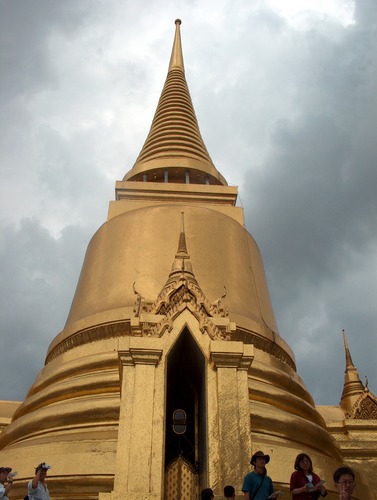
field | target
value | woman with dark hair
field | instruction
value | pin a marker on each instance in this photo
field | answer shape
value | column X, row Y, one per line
column 305, row 484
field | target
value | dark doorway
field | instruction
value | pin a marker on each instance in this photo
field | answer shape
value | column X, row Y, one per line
column 186, row 392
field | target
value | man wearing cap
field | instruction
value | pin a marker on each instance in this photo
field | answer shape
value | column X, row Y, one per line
column 4, row 477
column 257, row 485
column 37, row 488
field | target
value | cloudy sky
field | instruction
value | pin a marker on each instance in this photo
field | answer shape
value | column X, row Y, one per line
column 286, row 97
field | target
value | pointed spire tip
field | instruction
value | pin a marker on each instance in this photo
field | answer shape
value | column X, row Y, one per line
column 176, row 60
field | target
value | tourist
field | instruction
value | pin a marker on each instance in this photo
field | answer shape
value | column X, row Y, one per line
column 229, row 492
column 344, row 480
column 257, row 485
column 37, row 488
column 305, row 484
column 207, row 494
column 5, row 476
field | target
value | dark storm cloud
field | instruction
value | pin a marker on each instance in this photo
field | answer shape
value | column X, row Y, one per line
column 38, row 274
column 314, row 211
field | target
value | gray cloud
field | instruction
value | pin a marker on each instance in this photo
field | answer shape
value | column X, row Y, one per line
column 38, row 274
column 25, row 27
column 314, row 212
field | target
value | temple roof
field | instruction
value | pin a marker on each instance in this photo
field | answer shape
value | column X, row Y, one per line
column 174, row 150
column 357, row 401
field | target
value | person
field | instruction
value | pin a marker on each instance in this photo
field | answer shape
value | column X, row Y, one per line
column 257, row 485
column 344, row 480
column 207, row 494
column 37, row 488
column 5, row 476
column 229, row 492
column 305, row 484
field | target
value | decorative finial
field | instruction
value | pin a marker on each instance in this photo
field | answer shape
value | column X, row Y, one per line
column 176, row 60
column 182, row 248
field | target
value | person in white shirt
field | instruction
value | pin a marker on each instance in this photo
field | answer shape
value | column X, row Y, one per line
column 37, row 488
column 5, row 476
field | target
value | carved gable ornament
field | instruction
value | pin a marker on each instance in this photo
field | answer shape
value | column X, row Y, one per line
column 183, row 293
column 365, row 407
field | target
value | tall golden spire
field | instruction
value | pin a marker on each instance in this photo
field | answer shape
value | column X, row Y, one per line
column 353, row 387
column 174, row 150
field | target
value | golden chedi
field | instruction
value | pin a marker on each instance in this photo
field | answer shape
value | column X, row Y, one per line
column 170, row 369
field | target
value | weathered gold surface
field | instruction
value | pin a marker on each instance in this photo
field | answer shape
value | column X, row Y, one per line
column 162, row 306
column 213, row 261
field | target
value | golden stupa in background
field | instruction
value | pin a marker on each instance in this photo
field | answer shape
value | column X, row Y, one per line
column 170, row 370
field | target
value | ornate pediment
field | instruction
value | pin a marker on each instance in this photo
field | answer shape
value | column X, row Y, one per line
column 365, row 407
column 158, row 316
column 185, row 291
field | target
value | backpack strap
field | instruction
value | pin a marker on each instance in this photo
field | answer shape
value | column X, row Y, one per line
column 259, row 487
